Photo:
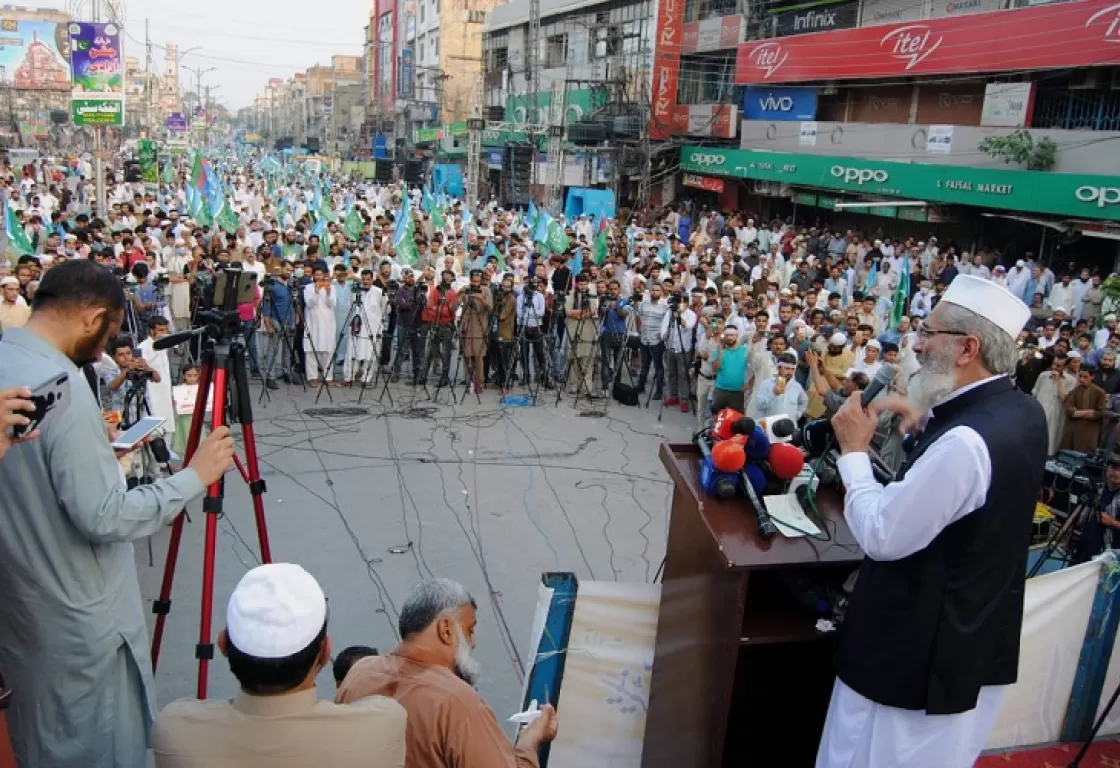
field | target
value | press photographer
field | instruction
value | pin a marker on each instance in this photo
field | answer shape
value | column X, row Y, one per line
column 87, row 702
column 1100, row 526
column 129, row 387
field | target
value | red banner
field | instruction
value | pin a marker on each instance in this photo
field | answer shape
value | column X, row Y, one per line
column 1079, row 34
column 666, row 67
column 703, row 182
column 719, row 121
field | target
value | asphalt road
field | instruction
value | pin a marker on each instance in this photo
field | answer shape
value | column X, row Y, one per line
column 374, row 501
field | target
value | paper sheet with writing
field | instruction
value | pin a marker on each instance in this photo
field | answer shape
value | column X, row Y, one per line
column 785, row 510
column 540, row 616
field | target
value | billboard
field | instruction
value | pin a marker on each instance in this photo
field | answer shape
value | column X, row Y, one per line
column 713, row 34
column 176, row 122
column 34, row 55
column 889, row 11
column 822, row 18
column 98, row 74
column 1063, row 35
column 667, row 41
column 406, row 74
column 761, row 103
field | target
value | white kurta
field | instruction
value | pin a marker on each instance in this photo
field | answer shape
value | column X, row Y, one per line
column 956, row 471
column 1046, row 392
column 319, row 320
column 363, row 344
column 159, row 393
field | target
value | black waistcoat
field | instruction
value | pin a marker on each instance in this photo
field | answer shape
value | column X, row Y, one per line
column 928, row 631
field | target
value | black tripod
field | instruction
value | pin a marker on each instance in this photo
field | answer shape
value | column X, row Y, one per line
column 1060, row 546
column 356, row 312
column 444, row 334
column 408, row 342
column 521, row 343
column 581, row 302
column 468, row 362
column 223, row 360
column 1076, row 762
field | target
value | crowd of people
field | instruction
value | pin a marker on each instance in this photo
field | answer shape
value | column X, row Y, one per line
column 696, row 309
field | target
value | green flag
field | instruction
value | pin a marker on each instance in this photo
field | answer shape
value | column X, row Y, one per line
column 196, row 170
column 168, row 173
column 437, row 217
column 204, row 217
column 901, row 294
column 17, row 238
column 354, row 224
column 326, row 212
column 557, row 240
column 599, row 249
column 227, row 219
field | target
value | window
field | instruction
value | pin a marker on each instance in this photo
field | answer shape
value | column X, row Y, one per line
column 422, row 59
column 555, row 51
column 435, row 44
column 421, row 11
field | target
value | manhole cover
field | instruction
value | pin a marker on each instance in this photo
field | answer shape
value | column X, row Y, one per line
column 592, row 414
column 336, row 412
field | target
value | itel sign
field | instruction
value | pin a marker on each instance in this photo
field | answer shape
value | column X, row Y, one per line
column 1075, row 34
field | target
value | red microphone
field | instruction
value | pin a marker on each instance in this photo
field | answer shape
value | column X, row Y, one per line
column 786, row 462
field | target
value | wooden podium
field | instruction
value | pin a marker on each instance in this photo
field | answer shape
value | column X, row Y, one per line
column 741, row 677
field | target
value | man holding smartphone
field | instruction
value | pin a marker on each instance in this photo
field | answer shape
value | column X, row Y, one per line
column 73, row 639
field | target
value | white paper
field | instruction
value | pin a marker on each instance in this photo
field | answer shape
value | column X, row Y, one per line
column 785, row 510
column 939, row 139
column 808, row 136
column 540, row 616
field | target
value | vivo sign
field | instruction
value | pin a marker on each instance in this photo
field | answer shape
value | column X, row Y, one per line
column 792, row 104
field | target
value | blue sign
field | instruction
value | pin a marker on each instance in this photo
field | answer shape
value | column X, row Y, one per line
column 762, row 103
column 380, row 148
column 406, row 74
column 494, row 157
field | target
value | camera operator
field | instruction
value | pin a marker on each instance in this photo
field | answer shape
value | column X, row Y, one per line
column 409, row 303
column 145, row 298
column 614, row 310
column 581, row 308
column 530, row 316
column 477, row 303
column 504, row 329
column 677, row 329
column 439, row 325
column 73, row 630
column 1100, row 527
column 278, row 320
column 133, row 374
column 384, row 280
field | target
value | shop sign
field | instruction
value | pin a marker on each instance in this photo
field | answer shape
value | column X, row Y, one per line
column 828, row 203
column 1063, row 35
column 821, row 18
column 1007, row 105
column 666, row 67
column 1062, row 194
column 804, row 198
column 886, row 211
column 706, row 183
column 779, row 104
column 912, row 213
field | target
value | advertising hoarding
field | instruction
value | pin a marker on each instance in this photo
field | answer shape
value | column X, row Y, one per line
column 667, row 39
column 762, row 103
column 1061, row 194
column 820, row 18
column 713, row 34
column 1008, row 105
column 34, row 55
column 406, row 74
column 176, row 122
column 889, row 11
column 1064, row 35
column 97, row 68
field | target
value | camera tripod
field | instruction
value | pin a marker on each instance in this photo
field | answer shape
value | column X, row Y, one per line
column 407, row 343
column 1061, row 541
column 581, row 302
column 444, row 335
column 355, row 314
column 224, row 372
column 470, row 315
column 521, row 343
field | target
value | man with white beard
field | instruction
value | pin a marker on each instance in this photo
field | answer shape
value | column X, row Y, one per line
column 931, row 638
column 432, row 673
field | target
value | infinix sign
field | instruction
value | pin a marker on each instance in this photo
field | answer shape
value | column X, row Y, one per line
column 760, row 103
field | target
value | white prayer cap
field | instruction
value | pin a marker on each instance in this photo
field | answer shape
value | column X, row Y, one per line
column 874, row 344
column 275, row 611
column 989, row 300
column 1020, row 263
column 1059, row 309
column 838, row 340
column 1075, row 354
column 9, row 280
column 1109, row 317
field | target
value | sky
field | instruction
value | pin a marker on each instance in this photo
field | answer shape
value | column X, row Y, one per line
column 245, row 41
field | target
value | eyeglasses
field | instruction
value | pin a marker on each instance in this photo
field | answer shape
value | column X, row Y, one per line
column 925, row 332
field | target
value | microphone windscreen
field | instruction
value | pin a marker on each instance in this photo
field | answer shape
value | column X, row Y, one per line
column 757, row 476
column 721, row 424
column 743, row 426
column 728, row 456
column 786, row 461
column 758, row 445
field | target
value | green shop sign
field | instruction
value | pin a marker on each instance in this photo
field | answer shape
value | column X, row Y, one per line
column 532, row 108
column 97, row 111
column 1061, row 194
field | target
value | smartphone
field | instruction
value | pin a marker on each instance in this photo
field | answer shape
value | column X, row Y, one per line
column 128, row 439
column 51, row 395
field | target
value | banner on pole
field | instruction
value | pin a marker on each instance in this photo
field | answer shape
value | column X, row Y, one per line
column 97, row 74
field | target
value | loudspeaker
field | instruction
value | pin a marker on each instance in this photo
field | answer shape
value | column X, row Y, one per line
column 60, row 116
column 517, row 170
column 311, row 145
column 383, row 172
column 413, row 171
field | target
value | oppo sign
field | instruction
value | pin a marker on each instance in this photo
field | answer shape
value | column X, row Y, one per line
column 706, row 160
column 859, row 176
column 1102, row 196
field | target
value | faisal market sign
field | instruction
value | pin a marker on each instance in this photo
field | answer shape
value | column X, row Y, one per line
column 1062, row 194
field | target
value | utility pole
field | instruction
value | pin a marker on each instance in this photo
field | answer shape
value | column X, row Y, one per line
column 98, row 163
column 533, row 81
column 148, row 77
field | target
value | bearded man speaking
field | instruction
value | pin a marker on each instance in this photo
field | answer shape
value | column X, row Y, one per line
column 931, row 638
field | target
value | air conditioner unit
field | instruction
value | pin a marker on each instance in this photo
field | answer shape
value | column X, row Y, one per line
column 1084, row 80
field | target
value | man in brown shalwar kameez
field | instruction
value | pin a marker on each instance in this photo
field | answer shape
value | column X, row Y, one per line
column 1085, row 410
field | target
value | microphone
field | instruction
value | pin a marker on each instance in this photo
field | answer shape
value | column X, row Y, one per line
column 175, row 339
column 815, row 436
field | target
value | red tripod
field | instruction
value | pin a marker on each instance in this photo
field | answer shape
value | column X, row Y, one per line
column 223, row 360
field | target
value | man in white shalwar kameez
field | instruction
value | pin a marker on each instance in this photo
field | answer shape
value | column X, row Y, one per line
column 159, row 392
column 1050, row 390
column 319, row 301
column 931, row 638
column 365, row 332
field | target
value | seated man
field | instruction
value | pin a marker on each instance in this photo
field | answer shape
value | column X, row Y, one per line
column 276, row 642
column 431, row 674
